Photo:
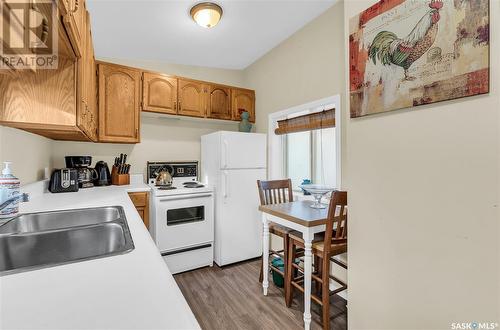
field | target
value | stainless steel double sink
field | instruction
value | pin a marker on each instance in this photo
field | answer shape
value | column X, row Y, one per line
column 37, row 240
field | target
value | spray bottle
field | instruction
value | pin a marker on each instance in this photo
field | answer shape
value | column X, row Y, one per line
column 9, row 193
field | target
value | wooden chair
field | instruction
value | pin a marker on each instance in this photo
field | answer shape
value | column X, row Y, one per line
column 334, row 244
column 275, row 192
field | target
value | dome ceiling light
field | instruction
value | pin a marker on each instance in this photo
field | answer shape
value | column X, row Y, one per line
column 206, row 14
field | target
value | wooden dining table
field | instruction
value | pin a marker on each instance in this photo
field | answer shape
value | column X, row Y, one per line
column 298, row 216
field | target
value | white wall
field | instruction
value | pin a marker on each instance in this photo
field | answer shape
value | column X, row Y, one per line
column 30, row 154
column 423, row 203
column 306, row 67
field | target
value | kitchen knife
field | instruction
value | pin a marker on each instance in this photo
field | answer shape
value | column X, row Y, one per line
column 121, row 159
column 124, row 159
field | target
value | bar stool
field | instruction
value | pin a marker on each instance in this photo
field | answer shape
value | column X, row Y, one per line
column 334, row 244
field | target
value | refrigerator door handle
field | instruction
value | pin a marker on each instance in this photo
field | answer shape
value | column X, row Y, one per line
column 226, row 148
column 226, row 185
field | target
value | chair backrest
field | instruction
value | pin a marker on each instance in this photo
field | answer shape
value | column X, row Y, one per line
column 275, row 191
column 336, row 227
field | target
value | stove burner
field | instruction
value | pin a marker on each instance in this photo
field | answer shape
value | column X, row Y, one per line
column 166, row 187
column 190, row 182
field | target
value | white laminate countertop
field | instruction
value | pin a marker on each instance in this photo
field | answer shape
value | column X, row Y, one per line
column 129, row 291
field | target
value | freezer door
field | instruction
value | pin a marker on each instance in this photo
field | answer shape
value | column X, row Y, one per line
column 243, row 150
column 238, row 226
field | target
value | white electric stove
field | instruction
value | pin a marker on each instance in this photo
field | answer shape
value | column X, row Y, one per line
column 182, row 223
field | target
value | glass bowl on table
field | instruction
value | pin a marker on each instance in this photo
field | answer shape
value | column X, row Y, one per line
column 318, row 191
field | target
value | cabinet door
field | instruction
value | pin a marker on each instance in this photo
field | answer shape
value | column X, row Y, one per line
column 144, row 214
column 220, row 102
column 86, row 86
column 242, row 100
column 119, row 104
column 141, row 203
column 159, row 93
column 91, row 92
column 192, row 98
column 74, row 22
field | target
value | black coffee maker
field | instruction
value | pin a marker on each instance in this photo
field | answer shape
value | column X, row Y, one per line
column 103, row 175
column 86, row 175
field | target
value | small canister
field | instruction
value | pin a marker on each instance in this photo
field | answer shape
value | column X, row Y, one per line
column 9, row 190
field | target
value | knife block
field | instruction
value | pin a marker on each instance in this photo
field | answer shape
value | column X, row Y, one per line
column 119, row 179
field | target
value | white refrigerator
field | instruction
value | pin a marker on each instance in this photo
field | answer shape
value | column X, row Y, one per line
column 232, row 162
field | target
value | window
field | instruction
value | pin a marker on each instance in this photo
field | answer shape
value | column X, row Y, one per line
column 310, row 155
column 314, row 155
column 298, row 157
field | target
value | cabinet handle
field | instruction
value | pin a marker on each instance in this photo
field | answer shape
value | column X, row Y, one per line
column 136, row 132
column 179, row 105
column 175, row 105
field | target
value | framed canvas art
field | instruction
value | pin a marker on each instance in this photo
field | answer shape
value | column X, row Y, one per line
column 406, row 53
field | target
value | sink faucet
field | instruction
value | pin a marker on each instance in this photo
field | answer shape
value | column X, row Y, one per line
column 23, row 198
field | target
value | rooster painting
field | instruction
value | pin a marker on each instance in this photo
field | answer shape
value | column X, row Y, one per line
column 391, row 50
column 407, row 53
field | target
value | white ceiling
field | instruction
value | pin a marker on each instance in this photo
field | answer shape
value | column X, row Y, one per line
column 162, row 30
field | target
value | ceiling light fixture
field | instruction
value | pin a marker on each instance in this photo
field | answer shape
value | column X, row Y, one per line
column 206, row 14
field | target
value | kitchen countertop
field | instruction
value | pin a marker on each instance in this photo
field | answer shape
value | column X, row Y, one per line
column 129, row 291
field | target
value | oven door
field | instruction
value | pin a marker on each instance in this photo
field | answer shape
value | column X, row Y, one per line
column 184, row 221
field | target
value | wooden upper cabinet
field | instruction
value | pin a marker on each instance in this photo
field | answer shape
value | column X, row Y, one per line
column 49, row 102
column 119, row 103
column 87, row 119
column 220, row 102
column 159, row 93
column 74, row 22
column 46, row 98
column 192, row 98
column 242, row 100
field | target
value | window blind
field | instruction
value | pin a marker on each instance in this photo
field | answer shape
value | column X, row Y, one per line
column 309, row 122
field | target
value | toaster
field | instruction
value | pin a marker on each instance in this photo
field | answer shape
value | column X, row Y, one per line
column 63, row 180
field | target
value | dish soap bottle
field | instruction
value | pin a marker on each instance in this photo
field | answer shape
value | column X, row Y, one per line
column 9, row 189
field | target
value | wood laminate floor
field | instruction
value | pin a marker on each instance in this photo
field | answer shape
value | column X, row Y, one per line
column 231, row 298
